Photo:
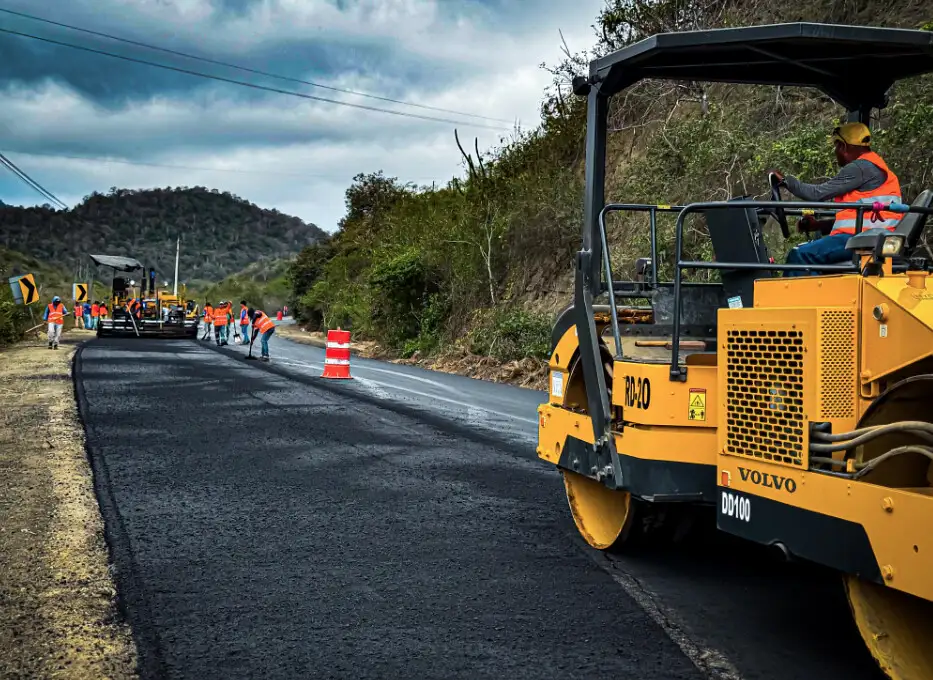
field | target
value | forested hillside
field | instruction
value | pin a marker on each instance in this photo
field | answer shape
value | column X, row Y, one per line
column 483, row 263
column 221, row 233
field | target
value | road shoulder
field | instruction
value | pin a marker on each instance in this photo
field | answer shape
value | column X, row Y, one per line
column 58, row 614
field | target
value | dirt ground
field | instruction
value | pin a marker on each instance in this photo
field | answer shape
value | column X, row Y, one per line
column 530, row 373
column 58, row 617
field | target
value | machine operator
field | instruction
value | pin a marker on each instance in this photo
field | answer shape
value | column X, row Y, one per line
column 864, row 177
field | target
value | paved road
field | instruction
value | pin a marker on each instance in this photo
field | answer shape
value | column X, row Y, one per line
column 269, row 524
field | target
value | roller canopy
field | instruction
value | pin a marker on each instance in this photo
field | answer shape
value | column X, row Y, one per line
column 123, row 264
column 853, row 65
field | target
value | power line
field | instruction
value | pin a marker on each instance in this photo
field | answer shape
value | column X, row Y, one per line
column 120, row 161
column 245, row 69
column 243, row 83
column 30, row 182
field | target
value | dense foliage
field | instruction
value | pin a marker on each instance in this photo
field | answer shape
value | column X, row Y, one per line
column 481, row 260
column 221, row 233
column 262, row 284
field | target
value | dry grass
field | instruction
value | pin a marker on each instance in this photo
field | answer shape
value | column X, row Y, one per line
column 57, row 613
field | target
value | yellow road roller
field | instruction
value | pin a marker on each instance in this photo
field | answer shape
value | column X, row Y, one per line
column 795, row 400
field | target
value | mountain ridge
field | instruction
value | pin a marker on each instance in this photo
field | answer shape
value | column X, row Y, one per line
column 221, row 233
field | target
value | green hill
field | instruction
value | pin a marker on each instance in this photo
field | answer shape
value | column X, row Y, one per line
column 221, row 233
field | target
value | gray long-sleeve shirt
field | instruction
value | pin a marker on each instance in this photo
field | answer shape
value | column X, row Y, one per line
column 859, row 175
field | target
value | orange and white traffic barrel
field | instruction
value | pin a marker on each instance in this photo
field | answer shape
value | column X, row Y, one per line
column 337, row 355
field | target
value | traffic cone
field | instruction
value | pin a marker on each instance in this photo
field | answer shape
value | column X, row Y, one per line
column 337, row 355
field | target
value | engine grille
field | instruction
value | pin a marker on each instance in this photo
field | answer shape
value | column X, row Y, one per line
column 837, row 364
column 764, row 394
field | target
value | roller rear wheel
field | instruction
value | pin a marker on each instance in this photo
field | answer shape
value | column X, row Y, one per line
column 897, row 628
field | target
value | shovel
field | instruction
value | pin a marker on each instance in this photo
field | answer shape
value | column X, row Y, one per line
column 249, row 356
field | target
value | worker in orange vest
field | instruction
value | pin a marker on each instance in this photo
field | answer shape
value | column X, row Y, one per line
column 244, row 322
column 208, row 320
column 265, row 327
column 221, row 321
column 95, row 313
column 55, row 314
column 101, row 311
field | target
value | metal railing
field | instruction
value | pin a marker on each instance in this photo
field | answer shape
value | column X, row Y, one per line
column 792, row 209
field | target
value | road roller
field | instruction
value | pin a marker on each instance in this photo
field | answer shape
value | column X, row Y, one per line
column 796, row 401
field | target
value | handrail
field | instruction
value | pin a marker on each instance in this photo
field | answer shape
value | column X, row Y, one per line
column 676, row 372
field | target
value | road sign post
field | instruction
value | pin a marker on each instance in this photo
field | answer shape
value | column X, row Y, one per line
column 24, row 289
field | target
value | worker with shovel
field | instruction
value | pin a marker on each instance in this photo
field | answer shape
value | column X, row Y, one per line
column 264, row 327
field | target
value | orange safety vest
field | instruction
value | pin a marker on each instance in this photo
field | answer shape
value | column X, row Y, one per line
column 220, row 316
column 888, row 192
column 102, row 310
column 263, row 322
column 56, row 313
column 208, row 313
column 244, row 315
column 95, row 311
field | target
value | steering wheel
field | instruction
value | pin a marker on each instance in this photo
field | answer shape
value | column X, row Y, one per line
column 778, row 212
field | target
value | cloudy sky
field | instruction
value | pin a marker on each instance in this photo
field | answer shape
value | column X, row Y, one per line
column 148, row 127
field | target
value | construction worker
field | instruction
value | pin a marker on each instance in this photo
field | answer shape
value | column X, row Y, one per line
column 79, row 318
column 864, row 177
column 208, row 320
column 101, row 311
column 264, row 327
column 244, row 321
column 55, row 314
column 92, row 312
column 221, row 321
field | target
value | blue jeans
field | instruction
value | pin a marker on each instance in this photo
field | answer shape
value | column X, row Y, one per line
column 220, row 334
column 244, row 331
column 89, row 322
column 264, row 341
column 827, row 250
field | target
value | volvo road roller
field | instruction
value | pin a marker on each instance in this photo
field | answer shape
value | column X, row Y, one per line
column 798, row 402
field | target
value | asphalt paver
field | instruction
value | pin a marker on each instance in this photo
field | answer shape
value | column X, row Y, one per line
column 274, row 528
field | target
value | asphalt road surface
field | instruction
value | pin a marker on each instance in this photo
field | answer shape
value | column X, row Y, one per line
column 267, row 523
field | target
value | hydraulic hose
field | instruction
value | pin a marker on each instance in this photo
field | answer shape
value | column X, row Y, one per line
column 849, row 440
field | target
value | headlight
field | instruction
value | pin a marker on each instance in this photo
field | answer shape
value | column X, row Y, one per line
column 892, row 245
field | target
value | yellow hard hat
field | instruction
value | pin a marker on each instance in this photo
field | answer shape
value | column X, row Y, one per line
column 856, row 134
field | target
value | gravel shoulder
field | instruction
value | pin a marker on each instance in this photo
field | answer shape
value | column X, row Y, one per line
column 58, row 613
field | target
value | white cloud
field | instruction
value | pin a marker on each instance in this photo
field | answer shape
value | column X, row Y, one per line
column 310, row 150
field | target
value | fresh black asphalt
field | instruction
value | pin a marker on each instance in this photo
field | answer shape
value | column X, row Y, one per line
column 268, row 528
column 266, row 523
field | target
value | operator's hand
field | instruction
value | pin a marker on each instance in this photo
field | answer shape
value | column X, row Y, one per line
column 807, row 223
column 778, row 174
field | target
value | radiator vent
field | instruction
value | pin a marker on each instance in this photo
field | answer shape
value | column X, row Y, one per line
column 764, row 395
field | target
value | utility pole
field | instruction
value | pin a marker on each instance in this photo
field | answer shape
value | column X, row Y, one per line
column 177, row 252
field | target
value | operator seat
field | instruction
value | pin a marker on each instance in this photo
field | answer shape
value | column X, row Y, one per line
column 736, row 237
column 912, row 224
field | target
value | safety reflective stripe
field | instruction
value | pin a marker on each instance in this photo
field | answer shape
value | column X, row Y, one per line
column 892, row 198
column 866, row 223
column 338, row 362
column 338, row 345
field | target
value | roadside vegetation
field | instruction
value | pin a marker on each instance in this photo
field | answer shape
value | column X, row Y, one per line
column 262, row 284
column 481, row 264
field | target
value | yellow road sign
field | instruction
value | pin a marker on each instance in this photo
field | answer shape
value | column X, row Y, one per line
column 30, row 292
column 80, row 292
column 697, row 410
